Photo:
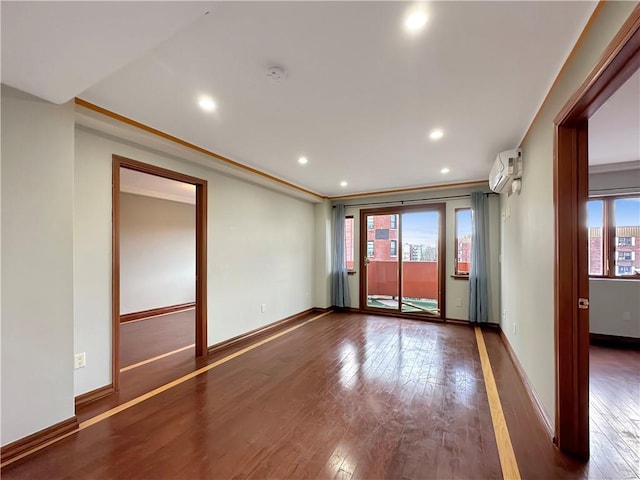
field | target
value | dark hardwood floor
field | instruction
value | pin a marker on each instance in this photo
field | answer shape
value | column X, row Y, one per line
column 535, row 452
column 145, row 378
column 346, row 396
column 148, row 338
column 615, row 410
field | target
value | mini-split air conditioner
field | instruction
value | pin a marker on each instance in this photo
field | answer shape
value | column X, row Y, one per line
column 506, row 169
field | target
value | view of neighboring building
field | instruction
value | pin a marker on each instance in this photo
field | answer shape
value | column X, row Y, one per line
column 463, row 258
column 463, row 241
column 419, row 253
column 627, row 251
column 614, row 236
column 382, row 243
column 348, row 243
column 382, row 237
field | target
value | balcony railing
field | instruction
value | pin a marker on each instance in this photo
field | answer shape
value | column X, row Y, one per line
column 419, row 279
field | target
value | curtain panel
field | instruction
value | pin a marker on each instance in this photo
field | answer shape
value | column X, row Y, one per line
column 478, row 281
column 339, row 276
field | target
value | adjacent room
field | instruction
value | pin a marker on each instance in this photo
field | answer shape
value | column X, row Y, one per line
column 613, row 220
column 347, row 240
column 157, row 263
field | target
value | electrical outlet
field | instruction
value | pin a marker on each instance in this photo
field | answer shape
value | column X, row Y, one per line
column 79, row 360
column 515, row 330
column 626, row 316
column 458, row 302
column 263, row 307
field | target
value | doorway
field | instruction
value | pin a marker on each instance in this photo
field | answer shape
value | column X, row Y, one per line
column 619, row 62
column 403, row 261
column 613, row 220
column 199, row 315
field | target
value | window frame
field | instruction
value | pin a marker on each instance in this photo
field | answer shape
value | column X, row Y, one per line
column 393, row 248
column 373, row 249
column 609, row 244
column 456, row 272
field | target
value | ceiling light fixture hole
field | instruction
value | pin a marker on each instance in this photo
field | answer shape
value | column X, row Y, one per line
column 276, row 74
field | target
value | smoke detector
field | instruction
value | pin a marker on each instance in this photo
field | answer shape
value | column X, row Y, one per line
column 276, row 74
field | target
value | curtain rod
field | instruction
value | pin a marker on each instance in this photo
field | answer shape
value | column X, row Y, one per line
column 402, row 202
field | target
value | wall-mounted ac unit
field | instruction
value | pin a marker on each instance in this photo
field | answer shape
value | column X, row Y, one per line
column 506, row 169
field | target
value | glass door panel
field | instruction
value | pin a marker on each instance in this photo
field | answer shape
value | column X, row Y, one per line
column 420, row 268
column 381, row 262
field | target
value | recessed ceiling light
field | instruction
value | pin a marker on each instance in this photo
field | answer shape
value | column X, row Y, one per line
column 445, row 170
column 415, row 21
column 436, row 134
column 302, row 160
column 207, row 103
column 343, row 183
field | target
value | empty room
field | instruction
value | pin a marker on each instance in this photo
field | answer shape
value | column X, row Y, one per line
column 346, row 240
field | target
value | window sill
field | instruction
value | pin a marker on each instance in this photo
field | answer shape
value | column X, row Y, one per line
column 621, row 277
column 351, row 272
column 460, row 277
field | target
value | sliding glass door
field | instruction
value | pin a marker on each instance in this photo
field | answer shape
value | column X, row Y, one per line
column 401, row 267
column 381, row 261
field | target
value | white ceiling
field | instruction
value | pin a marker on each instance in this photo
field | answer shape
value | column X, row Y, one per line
column 139, row 183
column 361, row 94
column 614, row 130
column 55, row 50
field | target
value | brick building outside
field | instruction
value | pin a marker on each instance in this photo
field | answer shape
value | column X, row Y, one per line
column 627, row 248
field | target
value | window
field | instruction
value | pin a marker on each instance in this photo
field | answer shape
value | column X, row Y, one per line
column 614, row 230
column 463, row 241
column 595, row 213
column 394, row 222
column 626, row 256
column 348, row 243
column 370, row 249
column 370, row 222
column 382, row 234
column 393, row 249
column 625, row 241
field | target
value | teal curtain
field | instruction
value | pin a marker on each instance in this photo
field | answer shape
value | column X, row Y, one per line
column 339, row 276
column 478, row 281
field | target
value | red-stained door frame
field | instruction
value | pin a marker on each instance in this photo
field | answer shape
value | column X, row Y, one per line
column 618, row 63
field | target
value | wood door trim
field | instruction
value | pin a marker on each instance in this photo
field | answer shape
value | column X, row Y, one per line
column 201, row 255
column 617, row 64
column 25, row 446
column 156, row 312
column 441, row 208
column 115, row 274
column 93, row 395
column 614, row 341
column 374, row 193
column 244, row 339
column 121, row 118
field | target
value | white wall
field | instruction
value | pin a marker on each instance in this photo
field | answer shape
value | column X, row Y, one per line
column 260, row 250
column 614, row 305
column 616, row 182
column 322, row 255
column 157, row 253
column 528, row 233
column 454, row 288
column 37, row 264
